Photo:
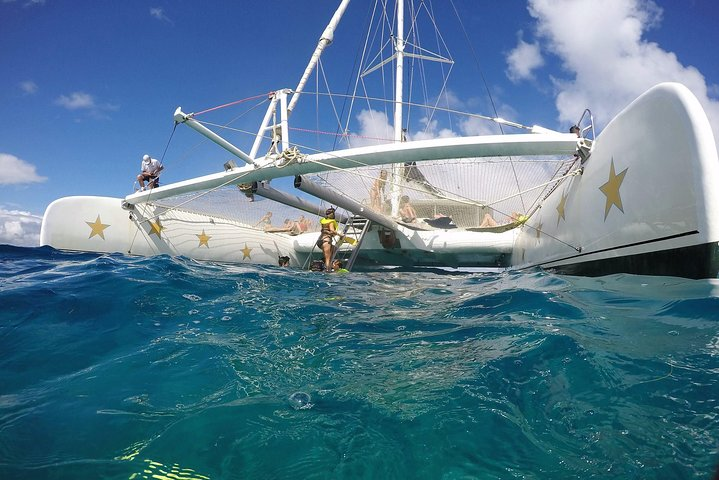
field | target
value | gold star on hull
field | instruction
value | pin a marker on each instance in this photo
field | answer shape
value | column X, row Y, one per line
column 560, row 208
column 156, row 228
column 611, row 190
column 97, row 228
column 246, row 252
column 204, row 239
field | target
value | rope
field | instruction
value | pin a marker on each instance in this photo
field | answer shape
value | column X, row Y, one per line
column 494, row 119
column 168, row 143
column 336, row 134
column 233, row 103
column 178, row 206
column 559, row 179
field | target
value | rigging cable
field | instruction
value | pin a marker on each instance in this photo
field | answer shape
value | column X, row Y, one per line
column 484, row 81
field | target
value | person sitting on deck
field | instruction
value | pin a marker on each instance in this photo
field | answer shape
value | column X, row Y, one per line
column 289, row 226
column 303, row 223
column 150, row 169
column 406, row 210
column 266, row 220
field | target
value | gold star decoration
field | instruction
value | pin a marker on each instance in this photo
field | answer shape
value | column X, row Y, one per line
column 97, row 228
column 611, row 190
column 246, row 252
column 156, row 228
column 560, row 208
column 204, row 239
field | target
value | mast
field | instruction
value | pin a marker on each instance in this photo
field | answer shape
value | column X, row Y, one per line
column 399, row 50
column 325, row 40
column 397, row 169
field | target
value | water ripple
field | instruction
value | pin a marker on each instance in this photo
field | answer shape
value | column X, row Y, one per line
column 120, row 367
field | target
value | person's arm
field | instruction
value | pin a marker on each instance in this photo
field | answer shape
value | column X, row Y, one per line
column 333, row 230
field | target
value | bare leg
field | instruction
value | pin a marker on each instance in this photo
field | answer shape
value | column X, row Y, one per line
column 327, row 249
column 488, row 221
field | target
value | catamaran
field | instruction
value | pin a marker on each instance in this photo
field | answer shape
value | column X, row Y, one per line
column 640, row 197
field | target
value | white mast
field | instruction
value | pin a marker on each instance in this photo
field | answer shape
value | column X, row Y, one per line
column 399, row 49
column 399, row 53
column 325, row 40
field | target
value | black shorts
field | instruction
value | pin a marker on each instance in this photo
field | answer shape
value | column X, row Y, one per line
column 152, row 179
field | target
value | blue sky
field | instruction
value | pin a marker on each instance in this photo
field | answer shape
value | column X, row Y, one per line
column 88, row 87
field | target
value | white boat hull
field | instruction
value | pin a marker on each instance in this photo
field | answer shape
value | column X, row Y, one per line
column 646, row 203
column 101, row 224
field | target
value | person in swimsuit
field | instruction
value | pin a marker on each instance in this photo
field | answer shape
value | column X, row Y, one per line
column 265, row 221
column 406, row 210
column 376, row 193
column 329, row 231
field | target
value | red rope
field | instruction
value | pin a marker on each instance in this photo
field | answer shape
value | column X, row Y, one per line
column 232, row 103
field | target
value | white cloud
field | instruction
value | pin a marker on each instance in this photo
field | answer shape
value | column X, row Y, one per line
column 16, row 171
column 76, row 101
column 609, row 61
column 19, row 228
column 523, row 60
column 431, row 131
column 81, row 101
column 28, row 3
column 375, row 129
column 159, row 14
column 478, row 126
column 449, row 99
column 28, row 86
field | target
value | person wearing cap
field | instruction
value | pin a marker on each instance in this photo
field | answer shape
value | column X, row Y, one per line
column 149, row 172
column 574, row 129
column 328, row 231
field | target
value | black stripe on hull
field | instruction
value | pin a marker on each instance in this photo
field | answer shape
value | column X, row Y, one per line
column 698, row 261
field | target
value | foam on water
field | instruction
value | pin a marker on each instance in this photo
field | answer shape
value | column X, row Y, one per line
column 119, row 367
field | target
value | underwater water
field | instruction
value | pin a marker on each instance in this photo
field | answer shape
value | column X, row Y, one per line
column 134, row 368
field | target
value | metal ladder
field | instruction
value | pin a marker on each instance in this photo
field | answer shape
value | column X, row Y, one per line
column 355, row 228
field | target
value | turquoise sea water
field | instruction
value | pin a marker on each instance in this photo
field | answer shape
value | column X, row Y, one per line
column 119, row 368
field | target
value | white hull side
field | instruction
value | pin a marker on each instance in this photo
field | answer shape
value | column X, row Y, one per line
column 447, row 248
column 100, row 224
column 656, row 212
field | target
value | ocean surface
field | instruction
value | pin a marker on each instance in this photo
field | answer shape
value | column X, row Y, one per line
column 117, row 367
